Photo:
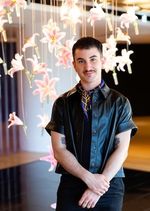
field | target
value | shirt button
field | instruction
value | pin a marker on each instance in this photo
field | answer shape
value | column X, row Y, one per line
column 94, row 132
column 94, row 114
column 94, row 148
column 92, row 164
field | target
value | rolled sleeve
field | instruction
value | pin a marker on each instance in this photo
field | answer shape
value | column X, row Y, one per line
column 125, row 120
column 56, row 123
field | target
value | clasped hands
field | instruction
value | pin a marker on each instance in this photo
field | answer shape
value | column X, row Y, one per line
column 97, row 186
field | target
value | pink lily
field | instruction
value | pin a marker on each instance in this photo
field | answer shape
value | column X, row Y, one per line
column 52, row 35
column 46, row 88
column 14, row 120
column 30, row 42
column 16, row 65
column 37, row 68
column 2, row 10
column 64, row 57
column 44, row 120
column 50, row 158
column 64, row 54
column 8, row 4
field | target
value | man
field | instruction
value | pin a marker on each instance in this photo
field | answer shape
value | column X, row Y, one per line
column 90, row 127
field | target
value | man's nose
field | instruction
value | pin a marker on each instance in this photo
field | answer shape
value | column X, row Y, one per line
column 87, row 65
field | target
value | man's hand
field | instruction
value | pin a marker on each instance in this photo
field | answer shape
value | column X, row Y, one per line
column 98, row 183
column 89, row 199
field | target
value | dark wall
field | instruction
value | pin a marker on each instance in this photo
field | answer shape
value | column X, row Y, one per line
column 135, row 86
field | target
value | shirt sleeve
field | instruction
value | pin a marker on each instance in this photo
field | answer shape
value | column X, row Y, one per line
column 125, row 119
column 56, row 123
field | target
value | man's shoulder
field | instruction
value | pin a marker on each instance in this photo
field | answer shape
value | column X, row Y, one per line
column 117, row 94
column 68, row 93
column 119, row 98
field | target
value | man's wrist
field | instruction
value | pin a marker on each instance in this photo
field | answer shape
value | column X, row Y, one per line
column 86, row 177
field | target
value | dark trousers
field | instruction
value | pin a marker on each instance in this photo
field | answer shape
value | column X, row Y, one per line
column 71, row 189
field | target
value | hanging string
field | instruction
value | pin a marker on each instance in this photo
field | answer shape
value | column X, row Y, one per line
column 4, row 57
column 84, row 18
column 106, row 26
column 21, row 36
column 93, row 27
column 115, row 19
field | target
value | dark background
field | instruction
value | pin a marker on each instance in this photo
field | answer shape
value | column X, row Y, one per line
column 135, row 86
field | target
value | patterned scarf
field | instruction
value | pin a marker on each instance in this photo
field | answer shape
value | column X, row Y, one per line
column 86, row 97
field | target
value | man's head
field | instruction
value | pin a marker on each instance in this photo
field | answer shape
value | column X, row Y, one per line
column 88, row 61
column 86, row 43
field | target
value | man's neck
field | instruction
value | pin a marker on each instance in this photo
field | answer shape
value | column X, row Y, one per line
column 89, row 86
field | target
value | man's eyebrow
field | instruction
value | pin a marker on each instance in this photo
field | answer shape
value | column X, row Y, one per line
column 80, row 58
column 93, row 56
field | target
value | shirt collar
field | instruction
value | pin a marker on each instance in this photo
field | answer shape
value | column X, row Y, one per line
column 103, row 88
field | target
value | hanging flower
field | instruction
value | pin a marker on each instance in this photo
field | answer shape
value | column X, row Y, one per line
column 50, row 158
column 2, row 22
column 52, row 35
column 124, row 59
column 70, row 13
column 46, row 88
column 2, row 30
column 8, row 4
column 37, row 68
column 44, row 120
column 127, row 18
column 14, row 120
column 109, row 54
column 16, row 65
column 21, row 3
column 53, row 205
column 110, row 45
column 64, row 54
column 30, row 42
column 121, row 36
column 109, row 63
column 2, row 10
column 96, row 13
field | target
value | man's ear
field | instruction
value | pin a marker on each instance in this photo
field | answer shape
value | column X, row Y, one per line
column 74, row 65
column 103, row 60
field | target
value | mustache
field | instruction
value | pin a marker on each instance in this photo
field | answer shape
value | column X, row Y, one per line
column 91, row 70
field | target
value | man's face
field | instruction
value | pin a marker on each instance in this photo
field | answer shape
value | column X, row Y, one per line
column 88, row 65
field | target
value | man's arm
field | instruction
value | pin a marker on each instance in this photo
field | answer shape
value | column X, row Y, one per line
column 114, row 163
column 70, row 164
column 118, row 157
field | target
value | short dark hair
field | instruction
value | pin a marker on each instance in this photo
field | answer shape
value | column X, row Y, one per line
column 86, row 43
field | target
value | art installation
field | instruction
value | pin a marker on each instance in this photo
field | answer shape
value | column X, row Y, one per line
column 73, row 14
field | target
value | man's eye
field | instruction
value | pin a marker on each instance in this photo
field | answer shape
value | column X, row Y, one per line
column 93, row 60
column 80, row 61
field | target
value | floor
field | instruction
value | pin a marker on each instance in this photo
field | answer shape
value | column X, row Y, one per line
column 27, row 185
column 30, row 187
